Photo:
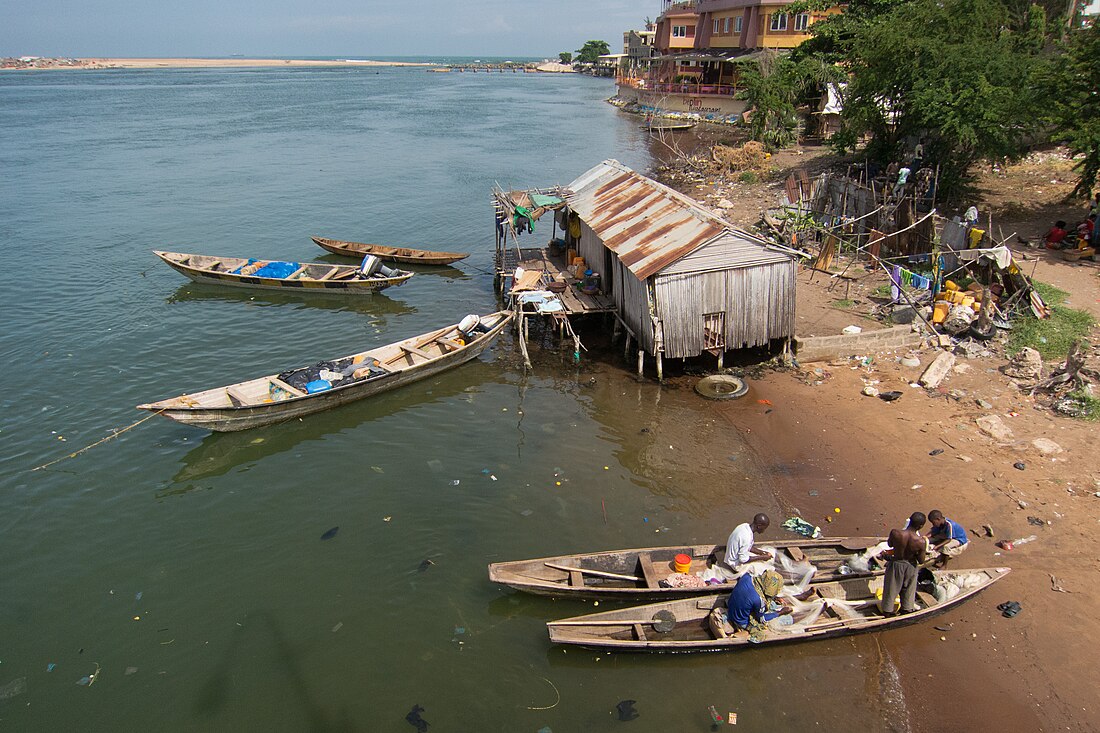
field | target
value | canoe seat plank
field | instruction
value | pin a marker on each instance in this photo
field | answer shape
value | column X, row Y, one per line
column 450, row 342
column 343, row 275
column 796, row 554
column 639, row 632
column 576, row 578
column 297, row 272
column 328, row 275
column 284, row 386
column 213, row 266
column 416, row 351
column 237, row 397
column 650, row 571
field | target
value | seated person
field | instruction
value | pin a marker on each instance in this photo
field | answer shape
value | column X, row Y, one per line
column 741, row 557
column 1054, row 238
column 751, row 602
column 946, row 540
column 1084, row 231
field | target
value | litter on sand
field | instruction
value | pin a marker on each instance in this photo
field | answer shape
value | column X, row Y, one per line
column 1009, row 609
column 798, row 525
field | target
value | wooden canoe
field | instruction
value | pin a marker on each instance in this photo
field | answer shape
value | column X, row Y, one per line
column 669, row 126
column 310, row 277
column 851, row 607
column 278, row 397
column 392, row 254
column 639, row 571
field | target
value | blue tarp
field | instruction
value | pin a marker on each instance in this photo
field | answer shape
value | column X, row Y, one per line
column 277, row 269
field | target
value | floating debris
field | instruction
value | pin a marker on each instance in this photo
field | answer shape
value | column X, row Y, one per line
column 330, row 533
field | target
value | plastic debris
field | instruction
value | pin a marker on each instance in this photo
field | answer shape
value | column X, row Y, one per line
column 89, row 680
column 889, row 396
column 455, row 482
column 626, row 710
column 935, row 451
column 138, row 595
column 798, row 525
column 330, row 533
column 377, row 469
column 50, row 667
column 130, row 670
column 1009, row 609
column 1019, row 465
column 13, row 689
column 413, row 718
column 425, row 564
column 714, row 715
column 337, row 627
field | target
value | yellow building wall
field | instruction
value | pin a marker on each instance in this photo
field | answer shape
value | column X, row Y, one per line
column 721, row 39
column 790, row 37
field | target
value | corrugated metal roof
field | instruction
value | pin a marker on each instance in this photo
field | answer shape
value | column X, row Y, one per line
column 649, row 225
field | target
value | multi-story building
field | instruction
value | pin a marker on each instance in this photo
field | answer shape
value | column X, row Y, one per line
column 699, row 45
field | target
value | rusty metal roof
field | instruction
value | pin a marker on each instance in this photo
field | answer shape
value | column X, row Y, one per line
column 648, row 225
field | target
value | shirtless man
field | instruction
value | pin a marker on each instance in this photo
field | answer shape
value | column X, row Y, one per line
column 907, row 549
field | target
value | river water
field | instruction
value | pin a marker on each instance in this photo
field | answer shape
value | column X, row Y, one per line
column 188, row 568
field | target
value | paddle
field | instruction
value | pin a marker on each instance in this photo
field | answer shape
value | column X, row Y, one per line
column 601, row 573
column 662, row 621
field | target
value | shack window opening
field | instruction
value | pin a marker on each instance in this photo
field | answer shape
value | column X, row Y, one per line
column 714, row 331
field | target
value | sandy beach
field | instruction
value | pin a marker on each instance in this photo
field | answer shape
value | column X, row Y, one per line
column 195, row 63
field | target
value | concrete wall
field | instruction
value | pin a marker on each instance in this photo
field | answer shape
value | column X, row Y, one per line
column 824, row 348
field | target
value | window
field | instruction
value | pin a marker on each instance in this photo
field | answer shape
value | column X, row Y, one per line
column 726, row 23
column 714, row 331
column 801, row 21
column 737, row 24
column 679, row 31
column 779, row 22
column 717, row 26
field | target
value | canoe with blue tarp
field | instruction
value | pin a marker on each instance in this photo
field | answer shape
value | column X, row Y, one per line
column 313, row 277
column 323, row 385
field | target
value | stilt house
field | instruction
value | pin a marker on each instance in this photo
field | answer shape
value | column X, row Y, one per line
column 683, row 280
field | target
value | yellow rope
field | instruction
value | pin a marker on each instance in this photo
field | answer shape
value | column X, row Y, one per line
column 103, row 440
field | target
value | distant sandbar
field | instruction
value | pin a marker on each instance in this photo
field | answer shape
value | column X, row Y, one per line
column 112, row 63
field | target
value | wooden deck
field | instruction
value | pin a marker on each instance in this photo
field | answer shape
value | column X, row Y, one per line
column 574, row 301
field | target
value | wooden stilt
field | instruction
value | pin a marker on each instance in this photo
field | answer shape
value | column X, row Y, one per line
column 641, row 363
column 626, row 346
column 721, row 358
column 660, row 366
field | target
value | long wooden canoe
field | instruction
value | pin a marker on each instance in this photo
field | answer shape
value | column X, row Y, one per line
column 637, row 573
column 310, row 277
column 290, row 394
column 393, row 254
column 850, row 607
column 669, row 126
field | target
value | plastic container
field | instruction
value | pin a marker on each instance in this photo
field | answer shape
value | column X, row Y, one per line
column 950, row 285
column 681, row 563
column 318, row 385
column 940, row 311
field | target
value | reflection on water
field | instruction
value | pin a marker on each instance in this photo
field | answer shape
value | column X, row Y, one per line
column 219, row 453
column 374, row 304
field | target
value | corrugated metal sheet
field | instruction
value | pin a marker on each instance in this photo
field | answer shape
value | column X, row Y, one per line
column 648, row 225
column 758, row 303
column 732, row 249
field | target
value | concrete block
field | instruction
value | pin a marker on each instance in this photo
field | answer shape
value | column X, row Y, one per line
column 937, row 370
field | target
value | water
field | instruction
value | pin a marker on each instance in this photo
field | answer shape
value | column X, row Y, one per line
column 197, row 558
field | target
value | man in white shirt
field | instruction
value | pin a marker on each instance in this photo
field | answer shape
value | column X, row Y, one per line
column 740, row 556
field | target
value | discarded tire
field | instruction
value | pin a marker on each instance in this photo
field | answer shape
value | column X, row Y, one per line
column 982, row 332
column 722, row 387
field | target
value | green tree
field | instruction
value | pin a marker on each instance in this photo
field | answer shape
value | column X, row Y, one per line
column 1075, row 103
column 591, row 50
column 774, row 86
column 957, row 74
column 566, row 57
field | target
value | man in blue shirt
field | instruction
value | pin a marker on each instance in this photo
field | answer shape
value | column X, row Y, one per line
column 946, row 540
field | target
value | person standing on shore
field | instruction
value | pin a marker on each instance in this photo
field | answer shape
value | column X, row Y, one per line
column 947, row 539
column 907, row 548
column 740, row 556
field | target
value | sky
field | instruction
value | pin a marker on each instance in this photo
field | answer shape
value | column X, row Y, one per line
column 297, row 28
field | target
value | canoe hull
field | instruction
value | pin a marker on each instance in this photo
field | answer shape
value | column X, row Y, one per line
column 536, row 577
column 404, row 255
column 628, row 629
column 311, row 286
column 232, row 419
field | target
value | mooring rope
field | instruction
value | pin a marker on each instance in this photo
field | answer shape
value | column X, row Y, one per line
column 102, row 440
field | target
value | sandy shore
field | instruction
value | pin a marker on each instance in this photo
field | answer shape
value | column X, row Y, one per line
column 173, row 63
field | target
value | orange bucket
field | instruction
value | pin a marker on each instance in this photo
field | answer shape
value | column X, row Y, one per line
column 681, row 563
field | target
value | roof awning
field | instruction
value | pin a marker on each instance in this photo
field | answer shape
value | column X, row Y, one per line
column 726, row 56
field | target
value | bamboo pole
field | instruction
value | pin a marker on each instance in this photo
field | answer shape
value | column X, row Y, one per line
column 587, row 571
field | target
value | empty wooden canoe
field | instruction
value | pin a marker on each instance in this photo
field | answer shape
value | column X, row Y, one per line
column 839, row 608
column 305, row 390
column 637, row 573
column 393, row 254
column 310, row 277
